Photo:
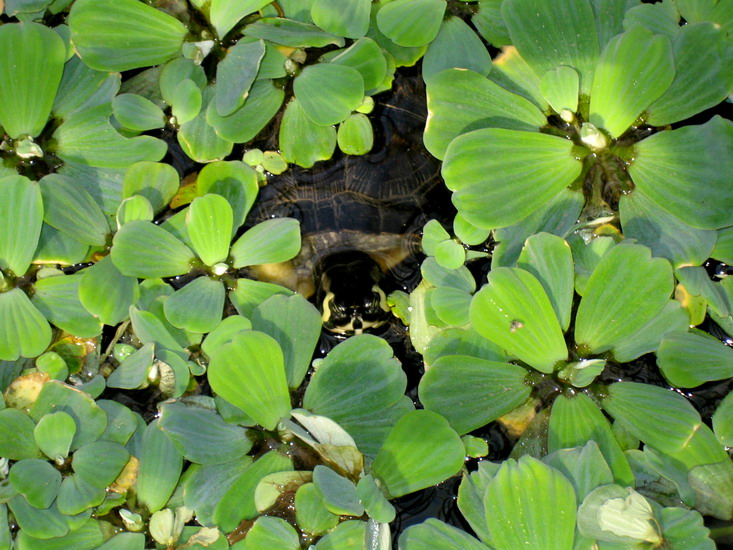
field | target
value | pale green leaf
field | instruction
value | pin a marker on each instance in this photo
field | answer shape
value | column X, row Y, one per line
column 235, row 75
column 688, row 359
column 456, row 46
column 209, row 223
column 270, row 241
column 21, row 220
column 225, row 14
column 328, row 92
column 348, row 18
column 24, row 331
column 411, row 23
column 133, row 255
column 198, row 306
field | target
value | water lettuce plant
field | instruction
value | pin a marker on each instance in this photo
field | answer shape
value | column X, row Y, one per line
column 156, row 395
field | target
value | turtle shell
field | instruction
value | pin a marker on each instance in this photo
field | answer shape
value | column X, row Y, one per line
column 375, row 203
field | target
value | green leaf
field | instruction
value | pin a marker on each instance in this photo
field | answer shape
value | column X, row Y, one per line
column 249, row 373
column 201, row 435
column 57, row 298
column 635, row 69
column 550, row 260
column 338, row 493
column 235, row 75
column 456, row 45
column 24, row 331
column 137, row 112
column 584, row 466
column 233, row 180
column 77, row 496
column 88, row 138
column 21, row 219
column 125, row 541
column 186, row 101
column 16, row 435
column 71, row 209
column 645, row 285
column 288, row 32
column 118, row 35
column 451, row 305
column 53, row 435
column 134, row 208
column 328, row 92
column 420, row 451
column 302, row 141
column 260, row 106
column 58, row 248
column 659, row 417
column 688, row 359
column 210, row 222
column 723, row 420
column 698, row 82
column 88, row 536
column 198, row 138
column 225, row 14
column 673, row 317
column 156, row 181
column 248, row 294
column 270, row 241
column 106, row 293
column 296, row 325
column 30, row 73
column 554, row 35
column 90, row 419
column 460, row 101
column 513, row 311
column 471, row 392
column 365, row 56
column 45, row 524
column 411, row 23
column 133, row 255
column 576, row 420
column 272, row 533
column 224, row 331
column 683, row 171
column 198, row 306
column 667, row 235
column 433, row 534
column 355, row 135
column 524, row 491
column 499, row 177
column 121, row 422
column 82, row 87
column 133, row 371
column 560, row 87
column 100, row 462
column 348, row 18
column 160, row 467
column 310, row 512
column 374, row 501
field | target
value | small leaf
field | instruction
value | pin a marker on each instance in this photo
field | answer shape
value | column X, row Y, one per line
column 118, row 35
column 365, row 56
column 348, row 18
column 57, row 298
column 328, row 92
column 137, row 112
column 36, row 480
column 355, row 135
column 635, row 68
column 249, row 373
column 310, row 512
column 100, row 462
column 433, row 534
column 29, row 77
column 24, row 331
column 225, row 14
column 156, row 181
column 106, row 293
column 456, row 45
column 133, row 371
column 16, row 435
column 272, row 532
column 420, row 451
column 235, row 74
column 302, row 141
column 248, row 294
column 233, row 180
column 160, row 467
column 270, row 241
column 560, row 87
column 53, row 435
column 198, row 306
column 288, row 32
column 133, row 255
column 198, row 138
column 21, row 219
column 209, row 222
column 688, row 359
column 513, row 311
column 338, row 493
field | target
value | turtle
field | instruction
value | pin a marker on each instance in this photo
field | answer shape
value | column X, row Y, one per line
column 361, row 216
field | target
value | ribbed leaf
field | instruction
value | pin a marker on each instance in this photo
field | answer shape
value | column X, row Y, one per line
column 456, row 45
column 21, row 219
column 53, row 435
column 355, row 135
column 432, row 534
column 310, row 513
column 548, row 34
column 471, row 392
column 460, row 101
column 30, row 73
column 249, row 373
column 302, row 141
column 106, row 293
column 248, row 294
column 659, row 417
column 513, row 311
column 70, row 208
column 635, row 68
column 37, row 480
column 688, row 359
column 16, row 435
column 328, row 92
column 627, row 289
column 160, row 467
column 575, row 421
column 198, row 138
column 198, row 306
column 411, row 23
column 100, row 462
column 271, row 241
column 560, row 87
column 420, row 451
column 133, row 255
column 647, row 339
column 57, row 298
column 24, row 331
column 209, row 222
column 550, row 260
column 117, row 35
column 137, row 112
column 156, row 181
column 348, row 18
column 502, row 176
column 233, row 180
column 235, row 74
column 517, row 501
column 225, row 14
column 288, row 32
column 685, row 172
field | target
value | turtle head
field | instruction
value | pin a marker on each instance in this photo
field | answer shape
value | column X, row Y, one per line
column 352, row 300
